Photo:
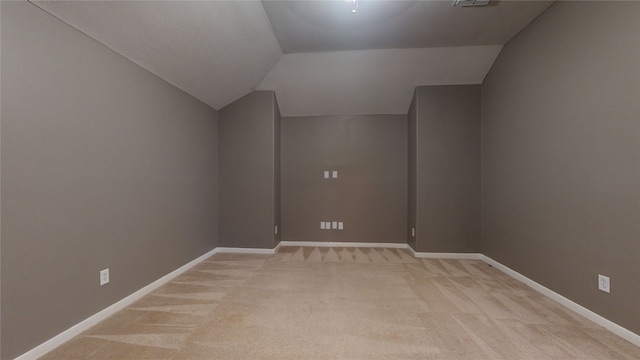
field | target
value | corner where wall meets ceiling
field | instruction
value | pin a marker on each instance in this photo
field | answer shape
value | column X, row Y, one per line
column 318, row 56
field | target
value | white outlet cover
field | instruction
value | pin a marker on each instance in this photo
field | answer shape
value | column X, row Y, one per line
column 326, row 174
column 322, row 225
column 276, row 230
column 604, row 283
column 327, row 225
column 335, row 174
column 340, row 225
column 413, row 232
column 334, row 225
column 104, row 277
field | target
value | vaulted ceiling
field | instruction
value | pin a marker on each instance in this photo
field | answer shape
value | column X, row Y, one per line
column 318, row 56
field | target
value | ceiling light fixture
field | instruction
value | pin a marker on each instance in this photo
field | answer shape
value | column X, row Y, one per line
column 356, row 6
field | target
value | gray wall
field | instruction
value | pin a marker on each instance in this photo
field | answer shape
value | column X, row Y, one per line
column 447, row 161
column 104, row 165
column 412, row 168
column 277, row 193
column 370, row 194
column 248, row 176
column 560, row 155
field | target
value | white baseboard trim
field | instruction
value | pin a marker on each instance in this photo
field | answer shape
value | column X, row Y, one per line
column 455, row 256
column 605, row 323
column 233, row 250
column 84, row 325
column 343, row 244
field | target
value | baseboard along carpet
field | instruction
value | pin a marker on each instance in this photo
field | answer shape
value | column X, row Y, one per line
column 344, row 303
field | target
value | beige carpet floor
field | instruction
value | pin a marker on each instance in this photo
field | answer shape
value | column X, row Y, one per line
column 344, row 303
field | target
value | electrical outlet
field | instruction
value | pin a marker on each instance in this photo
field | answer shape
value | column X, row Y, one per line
column 413, row 232
column 326, row 174
column 334, row 225
column 335, row 174
column 276, row 230
column 322, row 225
column 327, row 225
column 340, row 225
column 604, row 283
column 104, row 277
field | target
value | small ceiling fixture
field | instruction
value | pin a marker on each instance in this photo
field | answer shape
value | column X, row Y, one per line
column 356, row 6
column 470, row 2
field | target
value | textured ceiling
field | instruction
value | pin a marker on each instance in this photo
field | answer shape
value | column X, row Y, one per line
column 371, row 81
column 217, row 51
column 337, row 62
column 310, row 26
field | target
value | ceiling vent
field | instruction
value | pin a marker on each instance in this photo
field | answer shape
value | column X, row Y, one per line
column 470, row 2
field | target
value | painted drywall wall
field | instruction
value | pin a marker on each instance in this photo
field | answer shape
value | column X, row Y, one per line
column 412, row 167
column 447, row 161
column 248, row 171
column 104, row 165
column 277, row 185
column 561, row 155
column 370, row 193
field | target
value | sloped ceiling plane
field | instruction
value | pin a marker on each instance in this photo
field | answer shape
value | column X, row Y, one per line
column 318, row 56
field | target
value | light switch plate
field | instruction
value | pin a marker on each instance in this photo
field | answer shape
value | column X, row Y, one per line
column 322, row 225
column 340, row 225
column 326, row 174
column 334, row 225
column 335, row 174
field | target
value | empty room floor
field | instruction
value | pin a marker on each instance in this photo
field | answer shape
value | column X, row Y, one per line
column 344, row 303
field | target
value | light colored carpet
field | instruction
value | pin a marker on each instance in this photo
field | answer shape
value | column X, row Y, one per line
column 344, row 303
